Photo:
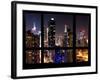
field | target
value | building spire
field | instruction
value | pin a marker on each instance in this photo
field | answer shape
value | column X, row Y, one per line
column 52, row 18
column 65, row 28
column 34, row 27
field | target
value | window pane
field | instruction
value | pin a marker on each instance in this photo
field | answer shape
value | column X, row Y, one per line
column 82, row 55
column 58, row 30
column 82, row 26
column 32, row 24
column 33, row 56
column 58, row 56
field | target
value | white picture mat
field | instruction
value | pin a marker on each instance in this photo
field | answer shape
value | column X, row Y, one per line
column 35, row 72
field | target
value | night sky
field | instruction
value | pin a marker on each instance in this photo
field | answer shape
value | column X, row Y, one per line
column 82, row 21
column 61, row 20
column 30, row 19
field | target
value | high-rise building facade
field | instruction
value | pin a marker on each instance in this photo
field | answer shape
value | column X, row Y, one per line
column 45, row 37
column 68, row 38
column 59, row 40
column 65, row 41
column 32, row 39
column 51, row 32
column 82, row 39
column 29, row 39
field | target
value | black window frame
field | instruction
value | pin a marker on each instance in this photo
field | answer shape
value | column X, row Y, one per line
column 42, row 48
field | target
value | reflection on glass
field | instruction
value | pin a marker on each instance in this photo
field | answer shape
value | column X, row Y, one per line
column 48, row 56
column 33, row 57
column 58, row 56
column 82, row 55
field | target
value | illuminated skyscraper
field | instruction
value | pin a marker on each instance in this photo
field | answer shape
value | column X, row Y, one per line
column 65, row 42
column 82, row 39
column 70, row 37
column 51, row 33
column 45, row 37
column 34, row 28
column 59, row 40
column 32, row 39
column 29, row 39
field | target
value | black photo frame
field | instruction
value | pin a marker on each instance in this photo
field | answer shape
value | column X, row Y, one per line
column 25, row 66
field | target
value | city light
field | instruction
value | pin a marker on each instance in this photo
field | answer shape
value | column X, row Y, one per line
column 34, row 27
column 33, row 39
column 82, row 39
column 55, row 42
column 81, row 55
column 52, row 18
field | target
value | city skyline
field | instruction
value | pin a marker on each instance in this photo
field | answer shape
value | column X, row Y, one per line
column 31, row 19
column 35, row 18
column 82, row 21
column 57, row 32
column 61, row 20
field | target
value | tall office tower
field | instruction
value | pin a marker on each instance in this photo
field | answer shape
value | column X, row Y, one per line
column 36, row 40
column 36, row 36
column 34, row 30
column 51, row 32
column 59, row 40
column 82, row 39
column 65, row 41
column 29, row 39
column 70, row 37
column 70, row 40
column 45, row 37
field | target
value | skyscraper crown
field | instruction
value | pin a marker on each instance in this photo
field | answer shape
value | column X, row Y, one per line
column 65, row 28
